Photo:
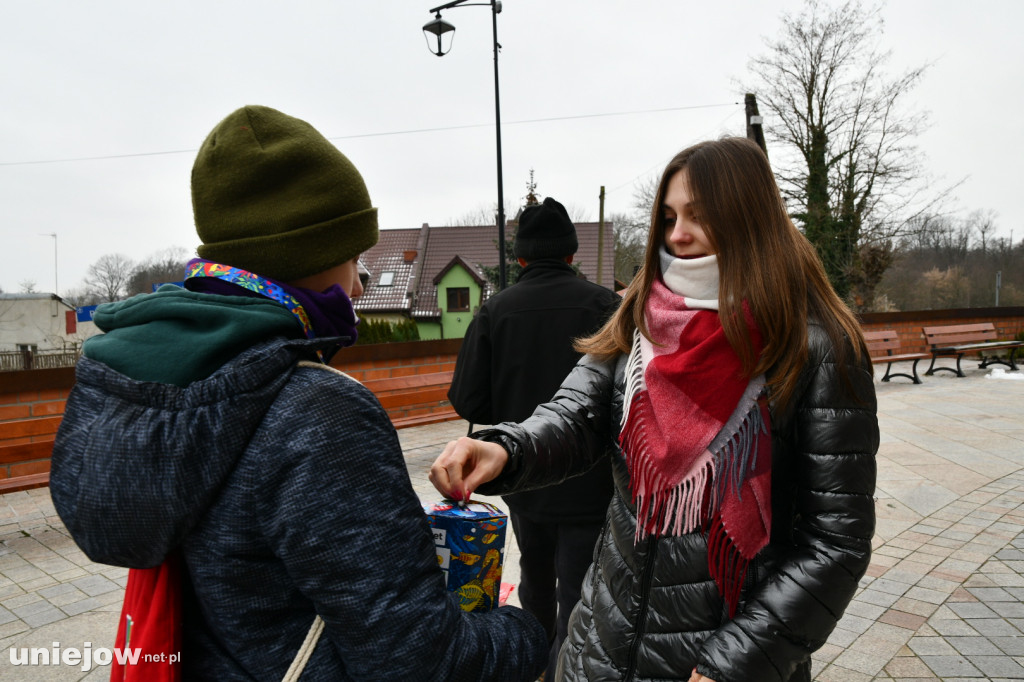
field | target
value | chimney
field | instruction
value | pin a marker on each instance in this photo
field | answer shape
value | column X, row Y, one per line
column 409, row 255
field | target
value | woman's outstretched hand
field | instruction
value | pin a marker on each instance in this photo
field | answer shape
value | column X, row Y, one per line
column 465, row 465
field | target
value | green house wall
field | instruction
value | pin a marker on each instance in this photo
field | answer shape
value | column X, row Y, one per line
column 455, row 324
column 429, row 331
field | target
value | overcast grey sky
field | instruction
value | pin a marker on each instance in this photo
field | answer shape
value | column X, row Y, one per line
column 141, row 83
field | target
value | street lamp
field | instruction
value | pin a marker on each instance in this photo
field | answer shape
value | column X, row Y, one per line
column 442, row 33
column 439, row 28
column 54, row 235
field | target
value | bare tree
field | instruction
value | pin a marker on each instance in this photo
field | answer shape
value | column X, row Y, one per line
column 847, row 166
column 631, row 229
column 985, row 224
column 486, row 214
column 79, row 297
column 27, row 286
column 107, row 279
column 630, row 242
column 164, row 266
column 953, row 261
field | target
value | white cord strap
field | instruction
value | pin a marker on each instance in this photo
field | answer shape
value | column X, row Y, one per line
column 305, row 651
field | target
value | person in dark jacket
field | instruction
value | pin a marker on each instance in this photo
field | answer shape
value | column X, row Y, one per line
column 207, row 442
column 735, row 395
column 515, row 354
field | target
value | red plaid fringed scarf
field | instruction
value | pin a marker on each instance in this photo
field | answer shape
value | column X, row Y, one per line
column 696, row 438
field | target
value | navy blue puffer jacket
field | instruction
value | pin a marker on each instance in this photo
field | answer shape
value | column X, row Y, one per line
column 284, row 486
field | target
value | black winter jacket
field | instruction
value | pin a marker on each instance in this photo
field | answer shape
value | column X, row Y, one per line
column 650, row 611
column 514, row 357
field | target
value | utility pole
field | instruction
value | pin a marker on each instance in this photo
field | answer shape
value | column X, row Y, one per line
column 54, row 235
column 600, row 240
column 999, row 283
column 754, row 121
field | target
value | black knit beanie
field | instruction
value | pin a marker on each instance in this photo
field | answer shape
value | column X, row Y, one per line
column 271, row 195
column 545, row 231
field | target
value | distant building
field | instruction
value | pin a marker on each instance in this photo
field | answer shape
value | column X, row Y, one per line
column 432, row 275
column 34, row 326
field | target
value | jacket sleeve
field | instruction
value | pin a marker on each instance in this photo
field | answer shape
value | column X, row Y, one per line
column 792, row 611
column 562, row 438
column 470, row 391
column 338, row 508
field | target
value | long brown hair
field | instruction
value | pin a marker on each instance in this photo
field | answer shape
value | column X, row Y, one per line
column 762, row 260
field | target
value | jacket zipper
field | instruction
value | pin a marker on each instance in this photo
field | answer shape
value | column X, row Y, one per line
column 645, row 586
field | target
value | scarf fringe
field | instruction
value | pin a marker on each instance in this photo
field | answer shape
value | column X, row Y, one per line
column 737, row 458
column 634, row 373
column 676, row 510
column 726, row 564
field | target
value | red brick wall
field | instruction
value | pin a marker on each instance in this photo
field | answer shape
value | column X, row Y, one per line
column 367, row 370
column 1008, row 323
column 31, row 407
column 399, row 375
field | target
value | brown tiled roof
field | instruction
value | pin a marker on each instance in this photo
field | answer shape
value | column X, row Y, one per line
column 436, row 247
column 388, row 256
column 477, row 245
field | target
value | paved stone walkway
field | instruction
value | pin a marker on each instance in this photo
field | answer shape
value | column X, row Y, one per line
column 943, row 598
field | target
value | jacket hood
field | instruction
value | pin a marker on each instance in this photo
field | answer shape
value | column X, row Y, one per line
column 176, row 336
column 136, row 463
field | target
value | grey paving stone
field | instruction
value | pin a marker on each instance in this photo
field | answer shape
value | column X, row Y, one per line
column 842, row 637
column 931, row 646
column 865, row 610
column 974, row 646
column 993, row 627
column 952, row 627
column 971, row 610
column 988, row 594
column 998, row 666
column 43, row 616
column 95, row 584
column 1014, row 646
column 885, row 584
column 1011, row 554
column 872, row 596
column 927, row 595
column 1008, row 609
column 855, row 623
column 951, row 666
column 50, row 592
column 21, row 600
column 75, row 608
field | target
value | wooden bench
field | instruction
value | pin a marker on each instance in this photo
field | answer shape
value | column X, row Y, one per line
column 25, row 449
column 884, row 346
column 958, row 339
column 416, row 399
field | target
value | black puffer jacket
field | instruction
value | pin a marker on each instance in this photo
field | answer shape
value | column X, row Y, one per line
column 650, row 611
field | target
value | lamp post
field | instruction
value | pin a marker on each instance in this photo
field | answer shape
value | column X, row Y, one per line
column 443, row 33
column 54, row 235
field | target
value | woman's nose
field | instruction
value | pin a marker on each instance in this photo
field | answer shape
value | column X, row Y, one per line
column 680, row 234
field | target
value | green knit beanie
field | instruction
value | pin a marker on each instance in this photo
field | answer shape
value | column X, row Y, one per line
column 271, row 195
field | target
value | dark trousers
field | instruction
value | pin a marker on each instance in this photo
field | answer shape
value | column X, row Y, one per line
column 553, row 558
